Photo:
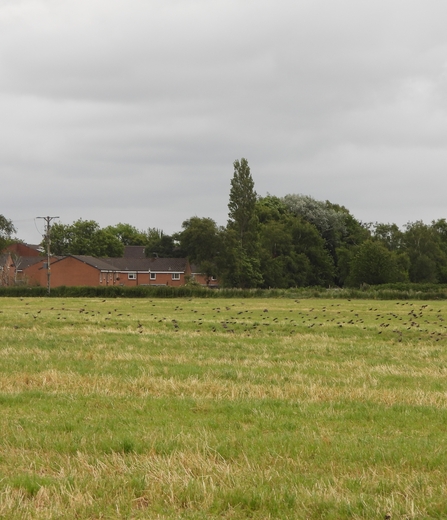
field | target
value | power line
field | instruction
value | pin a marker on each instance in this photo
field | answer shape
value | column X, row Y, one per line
column 48, row 243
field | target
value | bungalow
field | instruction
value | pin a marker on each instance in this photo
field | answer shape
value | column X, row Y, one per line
column 26, row 265
column 29, row 270
column 76, row 270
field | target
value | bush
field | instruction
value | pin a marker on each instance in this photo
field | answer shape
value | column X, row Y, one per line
column 397, row 291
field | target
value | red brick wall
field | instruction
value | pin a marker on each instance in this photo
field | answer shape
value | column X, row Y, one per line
column 73, row 272
column 202, row 280
column 166, row 279
column 22, row 250
column 123, row 279
column 70, row 271
column 34, row 274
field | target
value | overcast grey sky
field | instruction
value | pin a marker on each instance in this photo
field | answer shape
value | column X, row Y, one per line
column 134, row 110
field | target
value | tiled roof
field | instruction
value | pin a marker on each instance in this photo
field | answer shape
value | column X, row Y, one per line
column 175, row 265
column 99, row 263
column 130, row 264
column 168, row 264
column 134, row 252
column 27, row 261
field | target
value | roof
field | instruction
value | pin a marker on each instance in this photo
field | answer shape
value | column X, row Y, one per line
column 22, row 249
column 134, row 252
column 175, row 265
column 37, row 247
column 27, row 261
column 99, row 263
column 131, row 264
column 168, row 264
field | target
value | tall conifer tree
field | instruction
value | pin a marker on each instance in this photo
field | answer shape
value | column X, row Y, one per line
column 242, row 265
column 242, row 200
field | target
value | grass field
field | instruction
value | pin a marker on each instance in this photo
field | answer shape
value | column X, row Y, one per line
column 231, row 409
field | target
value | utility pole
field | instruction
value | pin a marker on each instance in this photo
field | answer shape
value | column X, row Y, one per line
column 48, row 243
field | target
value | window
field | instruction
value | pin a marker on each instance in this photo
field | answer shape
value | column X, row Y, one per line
column 153, row 276
column 213, row 278
column 176, row 276
column 131, row 276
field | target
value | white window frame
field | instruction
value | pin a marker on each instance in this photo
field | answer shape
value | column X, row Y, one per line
column 131, row 276
column 175, row 276
column 153, row 276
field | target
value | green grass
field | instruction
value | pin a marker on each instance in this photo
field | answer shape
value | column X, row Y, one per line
column 197, row 408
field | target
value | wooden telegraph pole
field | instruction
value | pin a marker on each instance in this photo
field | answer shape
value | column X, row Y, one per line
column 48, row 243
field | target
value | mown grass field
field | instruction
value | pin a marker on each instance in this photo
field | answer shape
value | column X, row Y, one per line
column 230, row 409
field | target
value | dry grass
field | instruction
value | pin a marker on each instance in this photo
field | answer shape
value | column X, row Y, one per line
column 222, row 409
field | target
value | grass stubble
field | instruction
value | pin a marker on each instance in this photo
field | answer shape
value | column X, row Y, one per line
column 313, row 409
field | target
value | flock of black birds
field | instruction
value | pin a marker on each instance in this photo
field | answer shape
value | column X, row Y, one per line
column 409, row 320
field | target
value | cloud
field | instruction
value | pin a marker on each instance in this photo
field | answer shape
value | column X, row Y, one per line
column 135, row 111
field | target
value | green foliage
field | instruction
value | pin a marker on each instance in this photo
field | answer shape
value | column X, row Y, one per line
column 128, row 235
column 374, row 264
column 238, row 263
column 7, row 229
column 308, row 242
column 293, row 253
column 162, row 245
column 324, row 217
column 270, row 208
column 425, row 248
column 84, row 237
column 390, row 291
column 241, row 206
column 389, row 235
column 340, row 231
column 236, row 267
column 201, row 241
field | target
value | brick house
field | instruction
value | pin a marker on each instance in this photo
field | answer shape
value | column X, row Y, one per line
column 81, row 270
column 23, row 257
column 25, row 250
column 77, row 270
column 29, row 270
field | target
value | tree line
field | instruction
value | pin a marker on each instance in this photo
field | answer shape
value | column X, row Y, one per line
column 278, row 242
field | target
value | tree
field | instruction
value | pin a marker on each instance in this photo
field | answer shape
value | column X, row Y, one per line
column 84, row 237
column 293, row 253
column 330, row 222
column 236, row 267
column 128, row 235
column 242, row 268
column 389, row 235
column 160, row 244
column 341, row 232
column 308, row 242
column 241, row 215
column 424, row 246
column 7, row 229
column 200, row 240
column 374, row 264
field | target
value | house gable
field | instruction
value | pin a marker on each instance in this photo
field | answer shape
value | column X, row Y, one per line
column 25, row 250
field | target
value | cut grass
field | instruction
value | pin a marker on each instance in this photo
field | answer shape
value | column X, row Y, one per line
column 222, row 409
